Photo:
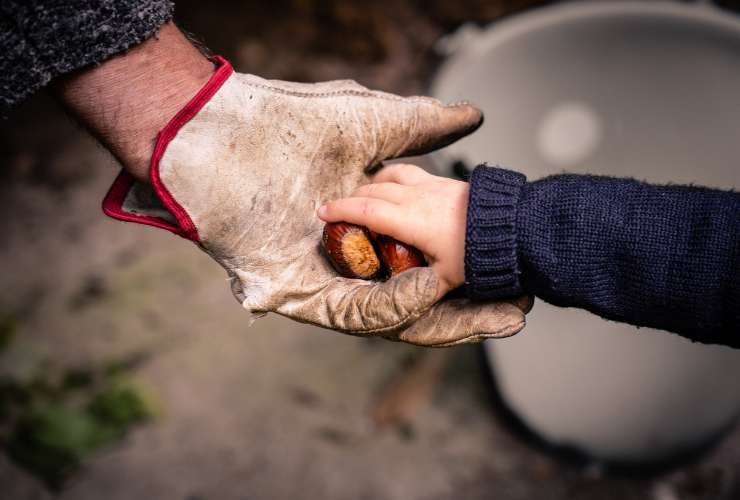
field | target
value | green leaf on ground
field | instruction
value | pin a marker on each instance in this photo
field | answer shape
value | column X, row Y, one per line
column 59, row 427
column 121, row 405
column 52, row 440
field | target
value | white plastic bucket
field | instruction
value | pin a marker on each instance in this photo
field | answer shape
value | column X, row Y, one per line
column 643, row 89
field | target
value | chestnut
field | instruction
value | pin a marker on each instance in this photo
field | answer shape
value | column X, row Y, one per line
column 350, row 250
column 356, row 253
column 398, row 256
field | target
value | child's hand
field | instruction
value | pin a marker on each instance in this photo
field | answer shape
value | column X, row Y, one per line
column 415, row 207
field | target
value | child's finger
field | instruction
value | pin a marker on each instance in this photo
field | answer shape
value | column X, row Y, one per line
column 402, row 173
column 377, row 215
column 388, row 191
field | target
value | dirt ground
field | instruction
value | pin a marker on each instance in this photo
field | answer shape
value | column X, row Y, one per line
column 274, row 410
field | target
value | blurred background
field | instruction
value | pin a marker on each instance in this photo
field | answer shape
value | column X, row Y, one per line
column 127, row 369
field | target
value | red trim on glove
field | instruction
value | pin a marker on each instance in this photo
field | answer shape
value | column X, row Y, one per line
column 113, row 205
column 113, row 201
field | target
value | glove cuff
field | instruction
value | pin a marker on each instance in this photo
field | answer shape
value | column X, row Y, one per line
column 491, row 263
column 132, row 201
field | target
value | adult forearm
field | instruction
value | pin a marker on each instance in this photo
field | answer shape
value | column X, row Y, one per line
column 126, row 100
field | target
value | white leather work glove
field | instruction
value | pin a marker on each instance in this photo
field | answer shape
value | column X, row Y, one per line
column 241, row 171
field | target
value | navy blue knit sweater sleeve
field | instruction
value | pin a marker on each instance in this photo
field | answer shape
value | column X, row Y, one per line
column 666, row 257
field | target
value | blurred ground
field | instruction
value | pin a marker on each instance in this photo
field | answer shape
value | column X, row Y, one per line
column 278, row 409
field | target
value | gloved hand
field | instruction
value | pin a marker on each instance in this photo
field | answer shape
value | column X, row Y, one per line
column 241, row 171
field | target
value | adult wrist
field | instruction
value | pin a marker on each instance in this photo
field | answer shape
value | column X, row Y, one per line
column 126, row 100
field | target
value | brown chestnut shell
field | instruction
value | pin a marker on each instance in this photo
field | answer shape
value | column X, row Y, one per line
column 397, row 256
column 351, row 250
column 355, row 252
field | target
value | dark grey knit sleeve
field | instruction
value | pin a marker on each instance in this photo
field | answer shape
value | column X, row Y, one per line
column 42, row 39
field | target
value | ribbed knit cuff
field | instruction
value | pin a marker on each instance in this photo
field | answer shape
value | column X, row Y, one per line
column 491, row 264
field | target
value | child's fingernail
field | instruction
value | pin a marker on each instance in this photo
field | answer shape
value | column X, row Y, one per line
column 321, row 211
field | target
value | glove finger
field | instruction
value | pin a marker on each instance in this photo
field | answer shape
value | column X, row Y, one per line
column 418, row 125
column 355, row 306
column 460, row 321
